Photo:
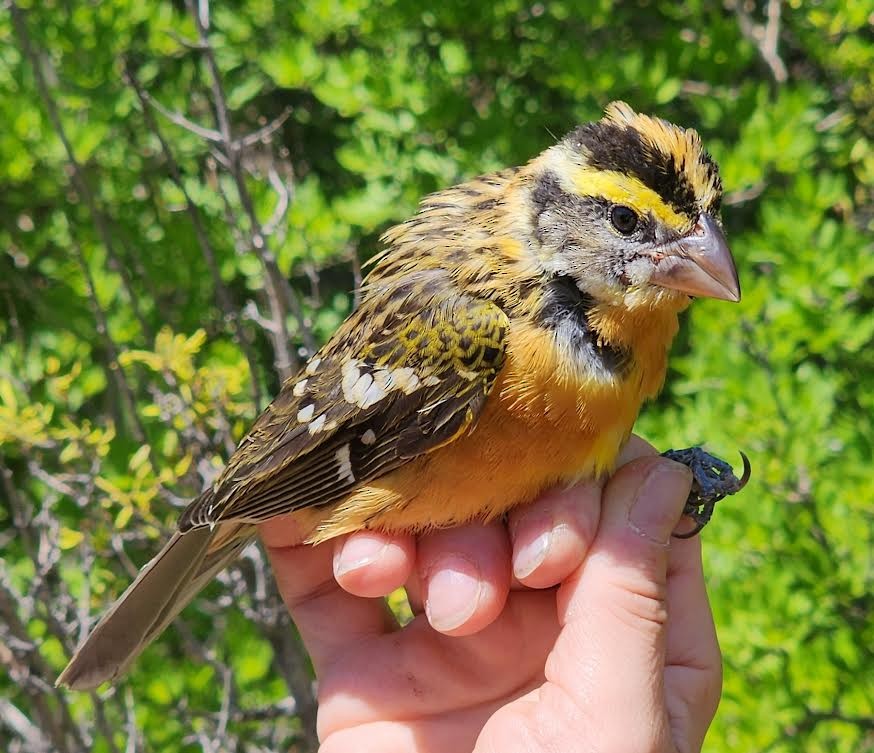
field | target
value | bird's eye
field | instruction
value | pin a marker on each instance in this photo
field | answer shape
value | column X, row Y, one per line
column 624, row 219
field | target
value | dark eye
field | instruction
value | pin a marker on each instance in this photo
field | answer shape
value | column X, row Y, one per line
column 624, row 219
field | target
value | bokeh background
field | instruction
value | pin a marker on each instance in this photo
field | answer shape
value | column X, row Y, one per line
column 187, row 195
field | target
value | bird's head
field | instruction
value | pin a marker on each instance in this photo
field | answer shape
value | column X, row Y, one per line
column 628, row 208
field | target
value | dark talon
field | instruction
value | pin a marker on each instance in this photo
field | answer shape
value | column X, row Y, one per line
column 712, row 480
column 747, row 470
column 699, row 525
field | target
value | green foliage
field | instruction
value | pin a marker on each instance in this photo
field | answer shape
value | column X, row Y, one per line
column 134, row 347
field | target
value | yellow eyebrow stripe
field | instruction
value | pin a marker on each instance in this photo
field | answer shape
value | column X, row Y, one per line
column 619, row 188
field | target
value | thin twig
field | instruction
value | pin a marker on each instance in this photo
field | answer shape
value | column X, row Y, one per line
column 224, row 300
column 262, row 133
column 16, row 720
column 191, row 44
column 283, row 193
column 765, row 36
column 306, row 331
column 770, row 40
column 80, row 184
column 130, row 710
column 284, row 359
column 745, row 194
column 53, row 481
column 28, row 669
column 102, row 722
column 177, row 118
column 113, row 368
column 830, row 120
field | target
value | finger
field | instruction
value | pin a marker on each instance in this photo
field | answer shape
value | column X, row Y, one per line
column 373, row 564
column 612, row 645
column 692, row 640
column 693, row 672
column 416, row 600
column 418, row 673
column 326, row 616
column 552, row 535
column 430, row 734
column 421, row 735
column 635, row 447
column 465, row 576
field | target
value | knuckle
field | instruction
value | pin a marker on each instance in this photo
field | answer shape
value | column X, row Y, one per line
column 641, row 603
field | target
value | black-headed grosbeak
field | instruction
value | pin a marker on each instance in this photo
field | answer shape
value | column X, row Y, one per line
column 506, row 339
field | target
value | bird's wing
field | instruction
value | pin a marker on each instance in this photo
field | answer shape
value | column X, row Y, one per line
column 408, row 373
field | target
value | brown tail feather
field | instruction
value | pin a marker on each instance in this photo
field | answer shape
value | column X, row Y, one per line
column 228, row 541
column 163, row 587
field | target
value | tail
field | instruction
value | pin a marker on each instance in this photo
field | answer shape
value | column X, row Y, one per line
column 163, row 587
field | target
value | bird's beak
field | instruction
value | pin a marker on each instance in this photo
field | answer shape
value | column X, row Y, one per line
column 699, row 263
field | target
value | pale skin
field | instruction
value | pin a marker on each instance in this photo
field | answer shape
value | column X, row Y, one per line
column 579, row 625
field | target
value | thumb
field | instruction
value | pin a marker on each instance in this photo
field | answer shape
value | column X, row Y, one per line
column 611, row 651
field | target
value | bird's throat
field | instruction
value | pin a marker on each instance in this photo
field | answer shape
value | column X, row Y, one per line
column 566, row 312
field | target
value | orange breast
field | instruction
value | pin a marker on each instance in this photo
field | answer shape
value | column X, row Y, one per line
column 546, row 422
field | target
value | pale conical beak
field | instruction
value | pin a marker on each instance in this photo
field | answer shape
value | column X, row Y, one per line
column 699, row 264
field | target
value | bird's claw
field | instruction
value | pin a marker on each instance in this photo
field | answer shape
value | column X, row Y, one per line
column 712, row 480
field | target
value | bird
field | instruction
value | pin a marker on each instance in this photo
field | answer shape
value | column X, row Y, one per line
column 507, row 336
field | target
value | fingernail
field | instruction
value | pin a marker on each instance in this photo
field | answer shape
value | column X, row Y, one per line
column 530, row 556
column 454, row 592
column 659, row 501
column 357, row 551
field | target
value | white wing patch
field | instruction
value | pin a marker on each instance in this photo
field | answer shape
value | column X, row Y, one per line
column 344, row 464
column 317, row 424
column 372, row 396
column 350, row 374
column 359, row 394
column 365, row 387
column 406, row 379
column 300, row 388
column 306, row 413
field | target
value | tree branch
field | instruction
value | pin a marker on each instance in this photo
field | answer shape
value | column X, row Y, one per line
column 265, row 131
column 177, row 118
column 284, row 359
column 80, row 184
column 231, row 313
column 28, row 670
column 15, row 719
column 765, row 36
column 115, row 372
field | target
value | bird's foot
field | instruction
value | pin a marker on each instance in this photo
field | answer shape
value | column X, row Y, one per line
column 712, row 479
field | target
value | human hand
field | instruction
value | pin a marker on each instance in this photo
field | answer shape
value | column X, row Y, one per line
column 622, row 655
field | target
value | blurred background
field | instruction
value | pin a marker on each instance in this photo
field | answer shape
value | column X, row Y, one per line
column 187, row 195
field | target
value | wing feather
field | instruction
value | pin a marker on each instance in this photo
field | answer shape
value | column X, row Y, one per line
column 403, row 376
